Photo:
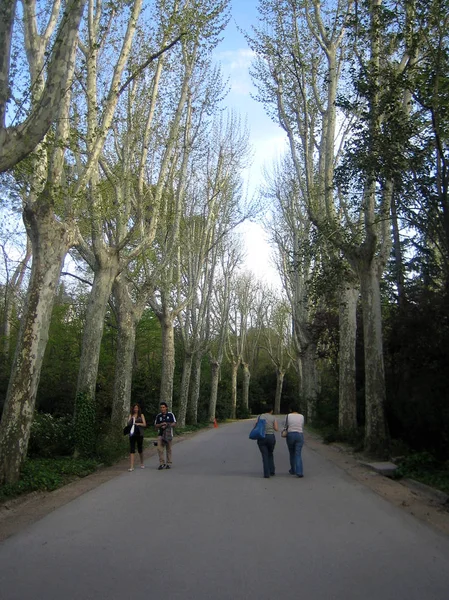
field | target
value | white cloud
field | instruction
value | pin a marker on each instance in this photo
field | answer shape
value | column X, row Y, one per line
column 236, row 59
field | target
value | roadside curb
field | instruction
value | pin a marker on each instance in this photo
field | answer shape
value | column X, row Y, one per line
column 387, row 469
column 432, row 493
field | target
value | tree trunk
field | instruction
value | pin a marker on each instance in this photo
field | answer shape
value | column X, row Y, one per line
column 50, row 241
column 309, row 387
column 279, row 383
column 168, row 358
column 347, row 404
column 195, row 389
column 398, row 262
column 12, row 288
column 126, row 342
column 245, row 391
column 234, row 370
column 376, row 432
column 185, row 384
column 85, row 417
column 93, row 329
column 215, row 376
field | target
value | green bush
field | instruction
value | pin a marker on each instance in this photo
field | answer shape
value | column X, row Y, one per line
column 45, row 474
column 111, row 448
column 51, row 436
column 424, row 467
column 85, row 432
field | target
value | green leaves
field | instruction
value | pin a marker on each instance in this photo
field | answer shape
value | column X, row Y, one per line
column 85, row 433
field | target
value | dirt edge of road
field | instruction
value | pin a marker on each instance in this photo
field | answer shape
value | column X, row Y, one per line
column 18, row 513
column 21, row 512
column 421, row 503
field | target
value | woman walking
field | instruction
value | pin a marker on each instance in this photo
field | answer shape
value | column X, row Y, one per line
column 267, row 444
column 137, row 421
column 294, row 424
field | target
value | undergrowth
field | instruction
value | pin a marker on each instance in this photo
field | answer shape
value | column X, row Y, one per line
column 47, row 474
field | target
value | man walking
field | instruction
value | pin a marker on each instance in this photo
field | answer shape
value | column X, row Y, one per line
column 164, row 423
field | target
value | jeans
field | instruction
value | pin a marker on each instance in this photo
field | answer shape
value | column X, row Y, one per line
column 266, row 447
column 295, row 442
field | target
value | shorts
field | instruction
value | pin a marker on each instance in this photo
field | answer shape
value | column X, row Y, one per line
column 132, row 443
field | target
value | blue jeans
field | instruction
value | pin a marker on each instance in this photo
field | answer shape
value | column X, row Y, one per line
column 295, row 442
column 266, row 447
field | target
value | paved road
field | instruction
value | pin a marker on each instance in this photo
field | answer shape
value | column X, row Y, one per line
column 213, row 528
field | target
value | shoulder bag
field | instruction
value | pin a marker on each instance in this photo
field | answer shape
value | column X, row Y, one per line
column 285, row 430
column 258, row 431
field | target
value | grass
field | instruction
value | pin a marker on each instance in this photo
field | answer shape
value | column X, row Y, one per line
column 47, row 474
column 423, row 467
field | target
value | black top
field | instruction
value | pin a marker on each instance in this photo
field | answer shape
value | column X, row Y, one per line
column 169, row 417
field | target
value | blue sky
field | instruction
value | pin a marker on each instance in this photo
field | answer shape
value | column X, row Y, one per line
column 267, row 139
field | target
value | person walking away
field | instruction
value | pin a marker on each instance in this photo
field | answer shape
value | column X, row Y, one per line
column 267, row 444
column 294, row 423
column 164, row 423
column 137, row 421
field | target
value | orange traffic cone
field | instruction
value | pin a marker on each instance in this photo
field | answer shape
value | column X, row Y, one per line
column 215, row 423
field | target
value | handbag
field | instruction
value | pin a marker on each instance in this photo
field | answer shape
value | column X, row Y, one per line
column 285, row 430
column 258, row 431
column 127, row 429
column 167, row 434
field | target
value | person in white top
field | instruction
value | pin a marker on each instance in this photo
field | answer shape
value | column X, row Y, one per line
column 294, row 424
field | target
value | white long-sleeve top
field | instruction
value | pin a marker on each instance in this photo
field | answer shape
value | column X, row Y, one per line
column 294, row 422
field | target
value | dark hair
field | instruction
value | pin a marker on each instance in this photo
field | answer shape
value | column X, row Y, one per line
column 138, row 406
column 294, row 408
column 268, row 408
column 163, row 404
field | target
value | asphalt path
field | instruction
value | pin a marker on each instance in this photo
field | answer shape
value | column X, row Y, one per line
column 213, row 528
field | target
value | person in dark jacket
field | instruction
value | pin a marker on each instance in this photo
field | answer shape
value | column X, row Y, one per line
column 164, row 423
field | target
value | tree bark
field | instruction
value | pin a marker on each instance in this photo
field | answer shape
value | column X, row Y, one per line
column 12, row 288
column 195, row 388
column 215, row 376
column 279, row 384
column 16, row 142
column 376, row 432
column 126, row 341
column 93, row 329
column 245, row 390
column 309, row 383
column 234, row 371
column 168, row 357
column 50, row 241
column 185, row 384
column 347, row 405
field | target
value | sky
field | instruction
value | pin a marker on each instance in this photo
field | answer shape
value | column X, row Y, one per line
column 267, row 139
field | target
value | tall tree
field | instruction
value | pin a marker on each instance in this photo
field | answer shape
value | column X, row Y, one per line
column 51, row 51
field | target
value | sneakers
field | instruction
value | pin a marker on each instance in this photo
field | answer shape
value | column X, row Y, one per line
column 168, row 466
column 160, row 467
column 142, row 466
column 130, row 470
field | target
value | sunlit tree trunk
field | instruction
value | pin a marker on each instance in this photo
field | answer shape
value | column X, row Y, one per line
column 215, row 378
column 50, row 241
column 17, row 141
column 234, row 371
column 245, row 385
column 347, row 403
column 12, row 288
column 185, row 385
column 278, row 395
column 195, row 389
